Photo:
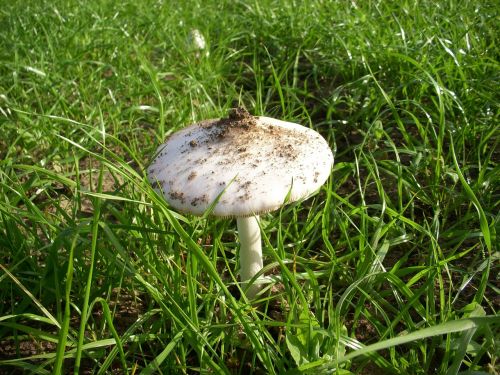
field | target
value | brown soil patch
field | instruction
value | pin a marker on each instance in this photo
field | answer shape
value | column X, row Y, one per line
column 238, row 119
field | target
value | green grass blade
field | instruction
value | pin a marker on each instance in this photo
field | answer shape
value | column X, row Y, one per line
column 90, row 280
column 42, row 308
column 483, row 221
column 63, row 333
column 154, row 365
column 460, row 325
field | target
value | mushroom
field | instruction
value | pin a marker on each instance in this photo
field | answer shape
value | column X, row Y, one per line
column 196, row 42
column 241, row 166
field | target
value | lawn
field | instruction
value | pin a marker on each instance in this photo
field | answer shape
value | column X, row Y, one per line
column 390, row 268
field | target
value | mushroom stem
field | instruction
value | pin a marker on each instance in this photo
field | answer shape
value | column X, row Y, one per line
column 250, row 252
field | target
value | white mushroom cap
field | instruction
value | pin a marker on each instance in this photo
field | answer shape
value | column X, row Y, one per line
column 253, row 163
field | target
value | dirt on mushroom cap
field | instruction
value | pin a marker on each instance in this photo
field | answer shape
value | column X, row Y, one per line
column 254, row 161
column 242, row 129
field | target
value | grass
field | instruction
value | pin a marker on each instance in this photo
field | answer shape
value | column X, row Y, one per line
column 391, row 268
